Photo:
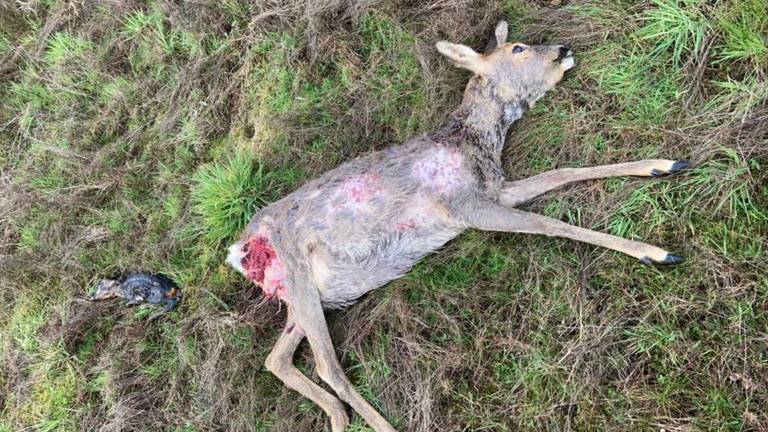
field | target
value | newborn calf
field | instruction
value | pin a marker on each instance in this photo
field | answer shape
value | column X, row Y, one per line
column 139, row 288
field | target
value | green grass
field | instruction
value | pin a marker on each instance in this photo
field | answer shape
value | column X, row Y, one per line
column 393, row 75
column 145, row 138
column 679, row 26
column 64, row 47
column 745, row 26
column 645, row 87
column 226, row 195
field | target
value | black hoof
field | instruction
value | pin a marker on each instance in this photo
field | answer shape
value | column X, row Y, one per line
column 679, row 166
column 676, row 166
column 672, row 259
column 668, row 260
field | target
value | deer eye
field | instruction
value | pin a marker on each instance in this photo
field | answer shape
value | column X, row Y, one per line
column 517, row 49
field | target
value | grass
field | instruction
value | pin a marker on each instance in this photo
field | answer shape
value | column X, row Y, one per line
column 744, row 25
column 679, row 26
column 145, row 137
column 226, row 195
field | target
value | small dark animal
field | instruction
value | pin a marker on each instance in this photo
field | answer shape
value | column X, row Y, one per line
column 141, row 287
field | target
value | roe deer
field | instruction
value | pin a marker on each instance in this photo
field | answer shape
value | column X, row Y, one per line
column 370, row 220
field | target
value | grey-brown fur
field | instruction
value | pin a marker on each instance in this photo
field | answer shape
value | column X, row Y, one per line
column 349, row 231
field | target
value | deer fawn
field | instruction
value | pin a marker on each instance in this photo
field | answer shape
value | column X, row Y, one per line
column 370, row 220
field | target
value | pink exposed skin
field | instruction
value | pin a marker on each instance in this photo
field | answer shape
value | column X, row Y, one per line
column 355, row 193
column 441, row 170
column 262, row 265
column 407, row 224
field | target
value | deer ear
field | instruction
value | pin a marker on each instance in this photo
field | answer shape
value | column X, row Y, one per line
column 498, row 38
column 501, row 33
column 463, row 56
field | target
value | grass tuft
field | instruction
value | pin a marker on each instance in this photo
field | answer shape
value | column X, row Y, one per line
column 393, row 75
column 64, row 46
column 679, row 26
column 744, row 24
column 225, row 195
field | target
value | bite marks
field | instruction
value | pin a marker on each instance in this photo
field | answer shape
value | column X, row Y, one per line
column 356, row 193
column 260, row 263
column 441, row 170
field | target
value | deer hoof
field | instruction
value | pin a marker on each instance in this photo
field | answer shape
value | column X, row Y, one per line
column 672, row 259
column 679, row 166
column 668, row 260
column 676, row 166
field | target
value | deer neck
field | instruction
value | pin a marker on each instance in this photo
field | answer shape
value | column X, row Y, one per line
column 487, row 111
column 479, row 127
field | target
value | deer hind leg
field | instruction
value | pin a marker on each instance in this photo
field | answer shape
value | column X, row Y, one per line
column 490, row 216
column 280, row 363
column 518, row 192
column 309, row 315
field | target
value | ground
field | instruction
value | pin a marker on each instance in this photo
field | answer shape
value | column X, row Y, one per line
column 143, row 135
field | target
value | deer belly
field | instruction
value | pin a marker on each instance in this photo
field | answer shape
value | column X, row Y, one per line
column 353, row 277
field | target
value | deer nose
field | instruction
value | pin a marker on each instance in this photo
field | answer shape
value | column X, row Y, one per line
column 563, row 52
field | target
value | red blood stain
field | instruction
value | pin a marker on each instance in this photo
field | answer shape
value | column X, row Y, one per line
column 441, row 169
column 258, row 256
column 356, row 191
column 263, row 266
column 406, row 225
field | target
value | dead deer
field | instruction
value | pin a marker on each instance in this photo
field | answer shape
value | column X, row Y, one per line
column 370, row 220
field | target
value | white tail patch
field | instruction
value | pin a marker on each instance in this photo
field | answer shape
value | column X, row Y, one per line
column 236, row 254
column 568, row 62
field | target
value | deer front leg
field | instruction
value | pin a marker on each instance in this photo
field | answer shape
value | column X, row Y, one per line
column 310, row 316
column 518, row 192
column 490, row 216
column 280, row 363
